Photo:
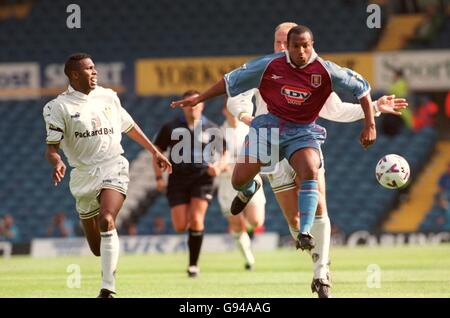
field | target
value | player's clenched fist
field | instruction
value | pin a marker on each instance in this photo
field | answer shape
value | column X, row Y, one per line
column 368, row 136
column 162, row 162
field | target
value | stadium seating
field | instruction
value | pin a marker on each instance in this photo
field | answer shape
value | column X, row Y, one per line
column 162, row 28
column 439, row 41
column 437, row 219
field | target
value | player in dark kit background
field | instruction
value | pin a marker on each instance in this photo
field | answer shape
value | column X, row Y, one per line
column 196, row 147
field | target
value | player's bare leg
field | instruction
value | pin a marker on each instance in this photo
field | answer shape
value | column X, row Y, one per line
column 111, row 202
column 197, row 212
column 238, row 228
column 287, row 200
column 306, row 163
column 254, row 215
column 180, row 217
column 243, row 181
column 92, row 234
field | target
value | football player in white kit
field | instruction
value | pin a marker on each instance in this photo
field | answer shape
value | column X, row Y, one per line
column 86, row 122
column 253, row 214
column 283, row 180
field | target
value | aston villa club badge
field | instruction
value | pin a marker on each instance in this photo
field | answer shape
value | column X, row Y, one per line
column 316, row 80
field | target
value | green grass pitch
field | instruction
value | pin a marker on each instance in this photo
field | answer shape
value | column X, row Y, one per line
column 404, row 272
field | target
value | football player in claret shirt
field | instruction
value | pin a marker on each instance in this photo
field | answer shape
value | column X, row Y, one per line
column 295, row 85
column 86, row 122
column 283, row 179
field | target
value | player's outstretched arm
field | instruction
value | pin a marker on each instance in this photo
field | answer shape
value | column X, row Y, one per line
column 337, row 110
column 237, row 81
column 53, row 157
column 388, row 104
column 138, row 136
column 369, row 132
column 216, row 90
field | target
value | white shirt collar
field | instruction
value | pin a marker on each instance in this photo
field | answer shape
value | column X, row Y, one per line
column 78, row 94
column 312, row 58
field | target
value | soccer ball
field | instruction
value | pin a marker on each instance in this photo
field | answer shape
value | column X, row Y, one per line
column 392, row 171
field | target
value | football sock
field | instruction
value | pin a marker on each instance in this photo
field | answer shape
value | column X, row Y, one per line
column 248, row 189
column 195, row 240
column 321, row 230
column 308, row 198
column 244, row 244
column 109, row 252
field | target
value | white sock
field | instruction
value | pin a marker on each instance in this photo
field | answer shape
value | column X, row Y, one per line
column 109, row 252
column 321, row 231
column 244, row 244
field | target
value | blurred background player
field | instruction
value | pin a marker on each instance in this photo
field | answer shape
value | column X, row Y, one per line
column 443, row 193
column 253, row 214
column 8, row 229
column 190, row 186
column 60, row 226
column 86, row 122
column 284, row 182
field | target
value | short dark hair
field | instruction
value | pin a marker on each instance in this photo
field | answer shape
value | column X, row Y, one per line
column 73, row 60
column 191, row 92
column 299, row 29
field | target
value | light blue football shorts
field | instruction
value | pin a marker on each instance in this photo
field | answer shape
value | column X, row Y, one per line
column 271, row 139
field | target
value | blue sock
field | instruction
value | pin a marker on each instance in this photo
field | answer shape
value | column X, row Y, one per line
column 248, row 189
column 308, row 198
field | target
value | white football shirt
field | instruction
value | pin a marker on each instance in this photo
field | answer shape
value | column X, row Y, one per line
column 87, row 127
column 235, row 137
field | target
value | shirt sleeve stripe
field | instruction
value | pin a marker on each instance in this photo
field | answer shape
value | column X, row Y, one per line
column 129, row 128
column 55, row 129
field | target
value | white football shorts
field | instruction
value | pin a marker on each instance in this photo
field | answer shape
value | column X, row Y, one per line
column 226, row 194
column 283, row 178
column 86, row 184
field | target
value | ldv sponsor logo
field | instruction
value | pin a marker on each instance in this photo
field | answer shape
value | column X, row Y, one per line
column 295, row 95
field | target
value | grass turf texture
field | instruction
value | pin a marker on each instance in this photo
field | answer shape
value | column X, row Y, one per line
column 405, row 272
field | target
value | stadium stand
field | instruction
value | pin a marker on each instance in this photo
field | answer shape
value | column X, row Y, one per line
column 437, row 219
column 421, row 197
column 153, row 33
column 438, row 40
